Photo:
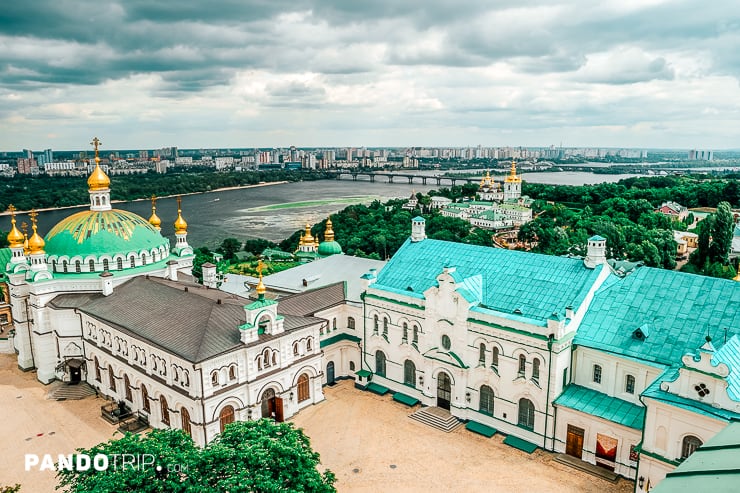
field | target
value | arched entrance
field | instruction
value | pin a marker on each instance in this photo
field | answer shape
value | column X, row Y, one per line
column 444, row 390
column 330, row 380
column 272, row 406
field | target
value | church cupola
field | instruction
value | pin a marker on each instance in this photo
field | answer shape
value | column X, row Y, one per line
column 98, row 184
column 595, row 252
column 262, row 316
column 181, row 232
column 154, row 219
column 17, row 240
column 36, row 246
column 418, row 225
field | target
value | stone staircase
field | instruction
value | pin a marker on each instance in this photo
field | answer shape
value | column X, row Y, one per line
column 436, row 417
column 65, row 392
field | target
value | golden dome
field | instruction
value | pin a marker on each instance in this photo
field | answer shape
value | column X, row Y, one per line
column 329, row 233
column 181, row 227
column 154, row 219
column 98, row 180
column 15, row 237
column 36, row 243
column 260, row 286
column 512, row 177
column 307, row 238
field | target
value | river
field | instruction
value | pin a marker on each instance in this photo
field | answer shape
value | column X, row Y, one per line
column 274, row 212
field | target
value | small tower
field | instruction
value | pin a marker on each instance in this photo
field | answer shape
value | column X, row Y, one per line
column 16, row 239
column 154, row 219
column 209, row 275
column 262, row 316
column 36, row 246
column 512, row 184
column 98, row 184
column 596, row 252
column 418, row 225
column 181, row 232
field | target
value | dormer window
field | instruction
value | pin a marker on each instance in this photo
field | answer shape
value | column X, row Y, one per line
column 640, row 333
column 702, row 390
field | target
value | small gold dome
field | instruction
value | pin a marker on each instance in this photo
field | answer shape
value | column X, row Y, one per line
column 98, row 180
column 307, row 237
column 329, row 233
column 261, row 287
column 181, row 227
column 154, row 219
column 36, row 243
column 15, row 237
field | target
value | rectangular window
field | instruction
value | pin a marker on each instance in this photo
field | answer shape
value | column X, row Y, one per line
column 597, row 374
column 629, row 385
column 565, row 377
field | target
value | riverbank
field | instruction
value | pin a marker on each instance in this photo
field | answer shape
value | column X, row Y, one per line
column 223, row 189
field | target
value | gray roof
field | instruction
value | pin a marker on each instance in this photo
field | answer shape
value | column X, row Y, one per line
column 310, row 302
column 191, row 324
column 318, row 273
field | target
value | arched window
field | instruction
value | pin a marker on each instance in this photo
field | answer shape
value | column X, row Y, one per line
column 375, row 324
column 416, row 335
column 482, row 354
column 54, row 265
column 133, row 261
column 106, row 264
column 266, row 358
column 119, row 263
column 522, row 365
column 689, row 444
column 214, row 378
column 64, row 265
column 111, row 378
column 629, row 384
column 380, row 363
column 185, row 420
column 309, row 344
column 351, row 366
column 526, row 414
column 536, row 370
column 274, row 357
column 494, row 357
column 597, row 374
column 145, row 399
column 334, row 323
column 225, row 417
column 409, row 373
column 385, row 327
column 165, row 410
column 127, row 388
column 97, row 369
column 154, row 256
column 304, row 390
column 143, row 259
column 91, row 264
column 405, row 337
column 295, row 349
column 351, row 323
column 232, row 372
column 486, row 400
column 78, row 266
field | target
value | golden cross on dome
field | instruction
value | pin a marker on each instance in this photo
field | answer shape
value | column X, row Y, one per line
column 154, row 201
column 260, row 266
column 24, row 228
column 96, row 142
column 33, row 214
column 12, row 209
column 179, row 202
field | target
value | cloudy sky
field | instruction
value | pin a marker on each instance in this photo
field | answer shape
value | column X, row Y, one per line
column 259, row 73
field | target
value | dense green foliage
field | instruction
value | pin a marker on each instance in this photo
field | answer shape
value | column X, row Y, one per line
column 28, row 192
column 711, row 258
column 249, row 456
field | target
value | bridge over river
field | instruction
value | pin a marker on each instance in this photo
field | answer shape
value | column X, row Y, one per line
column 390, row 177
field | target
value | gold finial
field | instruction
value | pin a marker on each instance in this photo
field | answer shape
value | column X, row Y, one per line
column 329, row 233
column 260, row 286
column 35, row 242
column 512, row 177
column 98, row 180
column 154, row 220
column 15, row 237
column 181, row 227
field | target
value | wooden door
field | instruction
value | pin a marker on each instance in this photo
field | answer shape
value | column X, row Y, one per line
column 279, row 410
column 574, row 442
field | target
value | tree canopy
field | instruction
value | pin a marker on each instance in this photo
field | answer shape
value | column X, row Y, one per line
column 249, row 456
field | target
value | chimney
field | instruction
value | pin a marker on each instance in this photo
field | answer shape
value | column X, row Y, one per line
column 209, row 275
column 172, row 270
column 106, row 283
column 417, row 229
column 596, row 252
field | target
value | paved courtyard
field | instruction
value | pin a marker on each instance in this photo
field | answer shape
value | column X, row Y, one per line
column 367, row 440
column 372, row 445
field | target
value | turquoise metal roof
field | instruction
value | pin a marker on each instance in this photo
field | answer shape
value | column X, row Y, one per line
column 729, row 354
column 602, row 406
column 597, row 238
column 670, row 375
column 679, row 310
column 537, row 285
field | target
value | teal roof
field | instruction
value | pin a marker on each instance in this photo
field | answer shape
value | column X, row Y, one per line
column 602, row 406
column 729, row 354
column 260, row 303
column 679, row 308
column 597, row 238
column 327, row 248
column 712, row 467
column 536, row 285
column 491, row 215
column 419, row 218
column 339, row 337
column 106, row 232
column 670, row 375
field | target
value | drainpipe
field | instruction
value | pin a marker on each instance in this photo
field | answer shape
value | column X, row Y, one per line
column 642, row 441
column 547, row 397
column 202, row 404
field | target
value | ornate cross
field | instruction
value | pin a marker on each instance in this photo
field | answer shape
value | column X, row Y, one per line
column 96, row 142
column 33, row 215
column 260, row 266
column 12, row 209
column 154, row 201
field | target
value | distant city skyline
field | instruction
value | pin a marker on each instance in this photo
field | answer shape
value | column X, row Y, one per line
column 638, row 74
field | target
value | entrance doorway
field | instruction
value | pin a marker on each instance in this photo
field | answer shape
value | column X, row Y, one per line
column 330, row 380
column 272, row 406
column 574, row 442
column 75, row 371
column 444, row 390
